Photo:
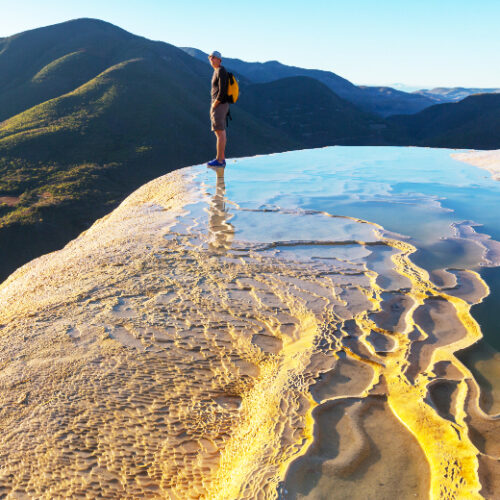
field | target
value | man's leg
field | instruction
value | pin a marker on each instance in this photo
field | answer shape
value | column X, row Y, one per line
column 221, row 144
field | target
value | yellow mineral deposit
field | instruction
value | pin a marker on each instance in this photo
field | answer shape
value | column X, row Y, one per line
column 163, row 353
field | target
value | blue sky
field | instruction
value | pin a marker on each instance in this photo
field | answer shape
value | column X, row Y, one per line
column 426, row 43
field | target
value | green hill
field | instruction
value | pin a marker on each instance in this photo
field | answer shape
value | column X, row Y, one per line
column 41, row 64
column 70, row 159
column 310, row 113
column 471, row 123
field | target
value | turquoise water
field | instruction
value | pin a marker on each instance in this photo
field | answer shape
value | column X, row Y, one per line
column 419, row 193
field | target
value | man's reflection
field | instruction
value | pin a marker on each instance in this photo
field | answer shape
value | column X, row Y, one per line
column 220, row 229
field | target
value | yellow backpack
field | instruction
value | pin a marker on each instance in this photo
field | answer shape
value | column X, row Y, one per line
column 233, row 90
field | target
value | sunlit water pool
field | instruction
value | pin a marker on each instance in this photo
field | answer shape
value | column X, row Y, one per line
column 421, row 193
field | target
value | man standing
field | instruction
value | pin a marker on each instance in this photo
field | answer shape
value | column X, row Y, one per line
column 219, row 108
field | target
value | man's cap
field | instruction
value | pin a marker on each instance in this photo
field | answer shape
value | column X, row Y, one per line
column 215, row 53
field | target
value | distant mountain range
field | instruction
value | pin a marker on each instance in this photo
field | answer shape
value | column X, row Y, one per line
column 384, row 101
column 453, row 94
column 404, row 87
column 89, row 112
column 381, row 100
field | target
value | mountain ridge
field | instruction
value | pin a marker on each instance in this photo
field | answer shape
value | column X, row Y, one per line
column 372, row 99
column 473, row 123
column 453, row 94
column 286, row 104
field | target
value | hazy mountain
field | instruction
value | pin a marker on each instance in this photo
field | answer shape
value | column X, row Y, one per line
column 471, row 123
column 387, row 101
column 453, row 94
column 381, row 100
column 404, row 87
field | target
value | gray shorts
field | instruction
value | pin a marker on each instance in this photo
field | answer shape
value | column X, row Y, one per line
column 218, row 116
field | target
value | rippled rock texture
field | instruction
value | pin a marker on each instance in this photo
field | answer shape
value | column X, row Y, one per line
column 230, row 335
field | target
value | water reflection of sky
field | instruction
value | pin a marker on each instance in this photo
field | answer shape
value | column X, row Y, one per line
column 414, row 191
column 417, row 192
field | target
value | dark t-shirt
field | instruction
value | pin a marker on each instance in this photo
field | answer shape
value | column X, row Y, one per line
column 219, row 85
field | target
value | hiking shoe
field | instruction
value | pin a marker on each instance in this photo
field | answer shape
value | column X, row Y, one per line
column 216, row 163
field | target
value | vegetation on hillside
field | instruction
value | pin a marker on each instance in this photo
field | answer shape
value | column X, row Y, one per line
column 471, row 123
column 310, row 113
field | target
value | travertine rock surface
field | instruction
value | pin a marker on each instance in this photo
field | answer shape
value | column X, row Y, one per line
column 188, row 346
